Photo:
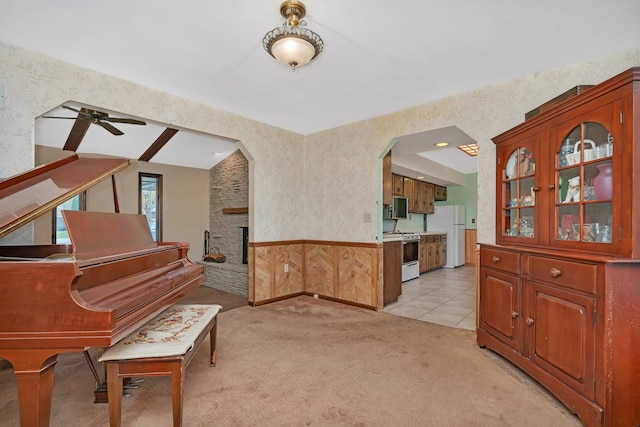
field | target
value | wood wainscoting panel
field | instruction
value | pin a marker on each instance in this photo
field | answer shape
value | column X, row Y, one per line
column 470, row 243
column 289, row 268
column 344, row 271
column 357, row 273
column 277, row 270
column 320, row 269
column 262, row 273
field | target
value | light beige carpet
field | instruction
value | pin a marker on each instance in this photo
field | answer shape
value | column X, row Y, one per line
column 310, row 362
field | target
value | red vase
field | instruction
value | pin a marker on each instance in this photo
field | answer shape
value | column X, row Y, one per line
column 603, row 182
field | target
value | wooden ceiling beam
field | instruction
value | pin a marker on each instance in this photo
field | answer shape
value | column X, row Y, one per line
column 158, row 144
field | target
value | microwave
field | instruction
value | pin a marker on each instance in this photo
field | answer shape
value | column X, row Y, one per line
column 399, row 208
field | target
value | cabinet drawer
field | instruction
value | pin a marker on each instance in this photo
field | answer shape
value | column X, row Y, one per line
column 500, row 260
column 574, row 275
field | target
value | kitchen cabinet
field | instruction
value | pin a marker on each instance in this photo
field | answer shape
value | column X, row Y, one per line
column 440, row 193
column 558, row 292
column 430, row 255
column 387, row 180
column 398, row 185
column 407, row 191
column 421, row 195
column 424, row 196
column 442, row 249
column 392, row 260
column 422, row 251
column 429, row 195
column 433, row 254
column 418, row 196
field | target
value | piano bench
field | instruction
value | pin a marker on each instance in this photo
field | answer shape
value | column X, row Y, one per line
column 162, row 347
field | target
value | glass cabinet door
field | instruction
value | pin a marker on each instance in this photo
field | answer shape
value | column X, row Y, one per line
column 519, row 193
column 584, row 183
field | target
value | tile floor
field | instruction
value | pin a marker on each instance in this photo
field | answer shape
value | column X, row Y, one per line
column 446, row 296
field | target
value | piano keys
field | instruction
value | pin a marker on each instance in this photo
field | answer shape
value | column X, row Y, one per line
column 54, row 299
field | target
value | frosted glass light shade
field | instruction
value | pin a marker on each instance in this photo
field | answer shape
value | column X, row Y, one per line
column 293, row 51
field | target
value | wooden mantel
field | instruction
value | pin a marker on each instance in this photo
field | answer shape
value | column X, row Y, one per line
column 235, row 210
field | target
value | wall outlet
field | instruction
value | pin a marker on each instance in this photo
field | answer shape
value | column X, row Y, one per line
column 286, row 268
column 367, row 217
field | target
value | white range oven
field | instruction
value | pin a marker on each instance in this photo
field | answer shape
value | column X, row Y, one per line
column 410, row 256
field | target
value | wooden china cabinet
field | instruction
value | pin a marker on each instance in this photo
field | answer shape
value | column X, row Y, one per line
column 559, row 292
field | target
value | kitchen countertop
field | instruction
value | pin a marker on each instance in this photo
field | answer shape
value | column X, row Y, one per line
column 391, row 237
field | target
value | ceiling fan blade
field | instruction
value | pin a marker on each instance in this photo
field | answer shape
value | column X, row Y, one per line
column 83, row 113
column 109, row 127
column 58, row 117
column 129, row 121
column 71, row 108
column 76, row 135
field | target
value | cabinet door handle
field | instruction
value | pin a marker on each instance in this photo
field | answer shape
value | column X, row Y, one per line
column 495, row 259
column 514, row 314
column 528, row 321
column 551, row 186
column 556, row 272
column 535, row 188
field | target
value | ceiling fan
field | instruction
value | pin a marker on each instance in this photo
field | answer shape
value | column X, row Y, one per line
column 99, row 118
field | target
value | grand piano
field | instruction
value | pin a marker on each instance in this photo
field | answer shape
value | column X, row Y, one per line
column 108, row 282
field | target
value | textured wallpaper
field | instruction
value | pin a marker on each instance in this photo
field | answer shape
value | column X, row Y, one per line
column 340, row 190
column 34, row 84
column 317, row 187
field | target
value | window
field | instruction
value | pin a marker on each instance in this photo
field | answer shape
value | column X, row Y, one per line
column 150, row 202
column 60, row 235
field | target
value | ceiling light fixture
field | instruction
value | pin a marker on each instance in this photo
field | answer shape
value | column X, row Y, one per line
column 291, row 44
column 441, row 144
column 470, row 149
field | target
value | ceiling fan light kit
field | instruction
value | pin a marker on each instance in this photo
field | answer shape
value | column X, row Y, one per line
column 292, row 44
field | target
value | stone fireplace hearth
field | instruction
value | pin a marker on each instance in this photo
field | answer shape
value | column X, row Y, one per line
column 228, row 224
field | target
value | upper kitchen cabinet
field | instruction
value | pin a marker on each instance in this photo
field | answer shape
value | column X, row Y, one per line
column 428, row 191
column 407, row 192
column 387, row 180
column 440, row 193
column 398, row 185
column 565, row 178
column 420, row 195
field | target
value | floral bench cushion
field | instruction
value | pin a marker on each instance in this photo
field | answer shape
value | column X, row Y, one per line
column 173, row 332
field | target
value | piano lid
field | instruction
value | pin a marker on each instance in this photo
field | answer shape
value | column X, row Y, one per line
column 26, row 196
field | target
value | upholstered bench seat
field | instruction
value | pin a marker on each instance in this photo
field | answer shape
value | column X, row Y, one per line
column 162, row 347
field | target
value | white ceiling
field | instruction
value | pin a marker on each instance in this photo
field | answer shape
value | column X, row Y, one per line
column 186, row 148
column 379, row 56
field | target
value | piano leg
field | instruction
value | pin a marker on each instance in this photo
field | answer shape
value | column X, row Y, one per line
column 33, row 370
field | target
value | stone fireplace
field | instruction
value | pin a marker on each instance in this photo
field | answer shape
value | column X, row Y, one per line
column 229, row 224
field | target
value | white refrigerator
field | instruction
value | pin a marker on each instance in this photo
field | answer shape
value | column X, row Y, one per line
column 450, row 219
